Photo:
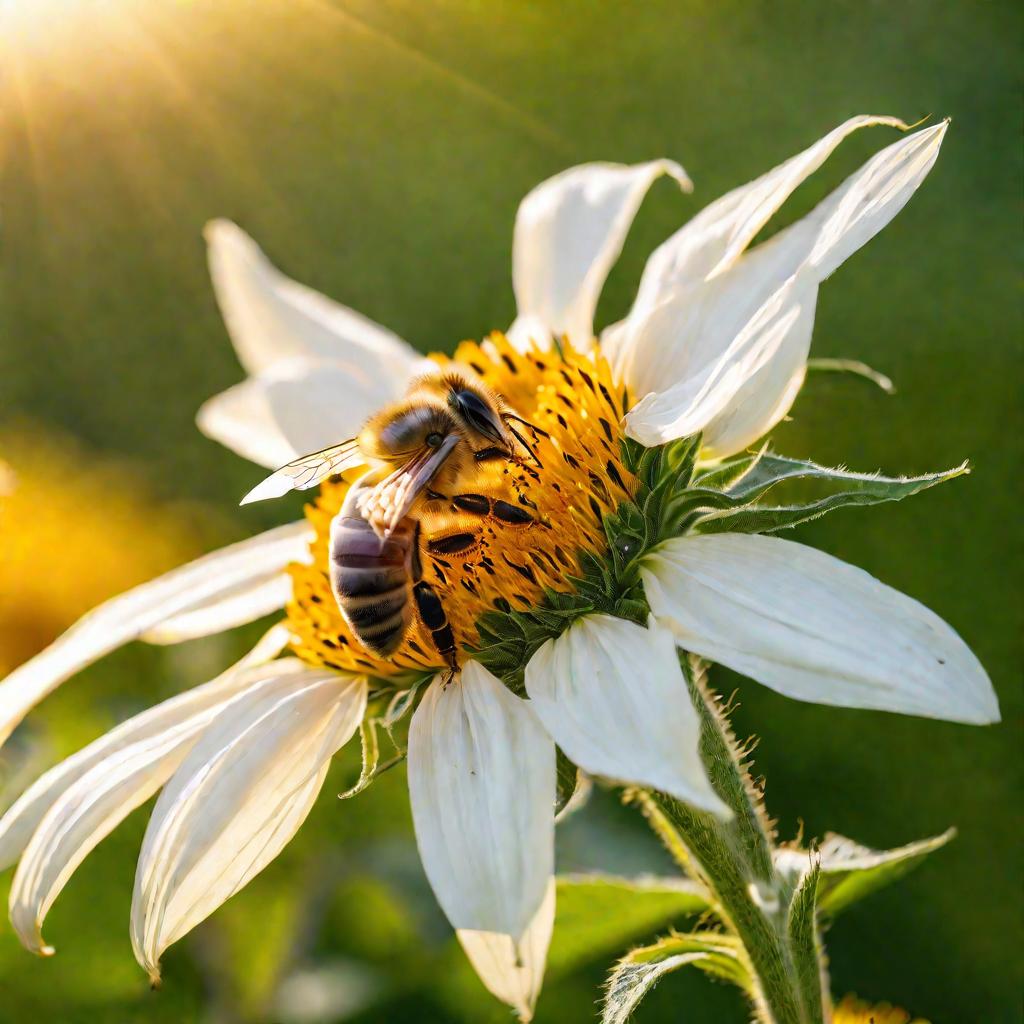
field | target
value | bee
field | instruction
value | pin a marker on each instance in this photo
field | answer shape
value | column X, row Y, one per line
column 425, row 452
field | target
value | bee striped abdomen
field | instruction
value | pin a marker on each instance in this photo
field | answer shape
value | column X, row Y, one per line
column 371, row 578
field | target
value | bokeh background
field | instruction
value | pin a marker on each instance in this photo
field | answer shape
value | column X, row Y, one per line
column 377, row 150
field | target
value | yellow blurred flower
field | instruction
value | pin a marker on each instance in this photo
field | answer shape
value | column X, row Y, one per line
column 76, row 528
column 854, row 1011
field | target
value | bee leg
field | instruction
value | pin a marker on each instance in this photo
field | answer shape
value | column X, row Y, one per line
column 488, row 454
column 453, row 544
column 526, row 423
column 431, row 613
column 522, row 440
column 481, row 505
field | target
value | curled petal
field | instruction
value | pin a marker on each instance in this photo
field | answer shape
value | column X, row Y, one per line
column 613, row 697
column 690, row 333
column 272, row 319
column 238, row 797
column 569, row 231
column 74, row 806
column 814, row 628
column 482, row 788
column 514, row 971
column 131, row 615
column 712, row 241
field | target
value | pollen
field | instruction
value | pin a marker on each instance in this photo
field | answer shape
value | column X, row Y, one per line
column 552, row 505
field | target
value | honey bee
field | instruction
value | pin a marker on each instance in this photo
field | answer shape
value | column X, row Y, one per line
column 425, row 453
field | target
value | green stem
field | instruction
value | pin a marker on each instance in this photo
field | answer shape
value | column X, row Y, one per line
column 734, row 859
column 778, row 1001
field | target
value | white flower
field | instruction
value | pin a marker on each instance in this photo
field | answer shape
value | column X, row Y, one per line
column 716, row 341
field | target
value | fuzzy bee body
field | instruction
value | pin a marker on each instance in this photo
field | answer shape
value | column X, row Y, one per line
column 442, row 436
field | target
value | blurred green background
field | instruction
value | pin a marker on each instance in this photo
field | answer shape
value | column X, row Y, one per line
column 377, row 151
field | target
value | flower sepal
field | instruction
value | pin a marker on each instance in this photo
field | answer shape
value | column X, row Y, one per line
column 727, row 497
column 386, row 708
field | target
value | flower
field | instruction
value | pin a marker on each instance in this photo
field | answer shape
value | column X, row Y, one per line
column 715, row 345
column 853, row 1011
column 68, row 548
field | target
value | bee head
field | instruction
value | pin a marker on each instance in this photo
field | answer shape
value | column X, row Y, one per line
column 434, row 407
column 444, row 424
column 477, row 408
column 406, row 430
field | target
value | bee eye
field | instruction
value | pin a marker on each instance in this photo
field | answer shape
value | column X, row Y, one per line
column 434, row 439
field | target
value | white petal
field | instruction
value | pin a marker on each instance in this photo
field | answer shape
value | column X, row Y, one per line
column 569, row 231
column 132, row 614
column 814, row 628
column 237, row 799
column 613, row 697
column 482, row 788
column 271, row 318
column 713, row 240
column 23, row 816
column 86, row 797
column 241, row 419
column 867, row 201
column 512, row 971
column 692, row 334
column 527, row 331
column 767, row 396
column 309, row 405
column 246, row 603
column 776, row 334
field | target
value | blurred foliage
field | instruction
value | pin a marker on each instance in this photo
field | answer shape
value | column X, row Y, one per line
column 377, row 150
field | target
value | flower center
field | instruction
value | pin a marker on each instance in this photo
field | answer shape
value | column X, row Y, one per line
column 477, row 560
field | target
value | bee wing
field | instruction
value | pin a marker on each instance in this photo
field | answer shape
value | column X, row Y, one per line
column 308, row 471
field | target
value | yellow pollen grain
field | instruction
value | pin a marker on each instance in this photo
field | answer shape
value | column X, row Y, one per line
column 577, row 409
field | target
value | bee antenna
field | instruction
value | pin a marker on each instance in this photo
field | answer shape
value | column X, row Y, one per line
column 525, row 423
column 522, row 440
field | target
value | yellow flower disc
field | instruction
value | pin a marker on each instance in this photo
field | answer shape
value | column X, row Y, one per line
column 577, row 478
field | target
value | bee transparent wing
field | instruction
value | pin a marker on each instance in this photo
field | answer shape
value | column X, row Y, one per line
column 308, row 471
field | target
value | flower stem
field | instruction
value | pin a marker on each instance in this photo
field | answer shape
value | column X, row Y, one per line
column 734, row 859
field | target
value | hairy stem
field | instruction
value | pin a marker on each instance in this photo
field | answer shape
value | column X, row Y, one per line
column 734, row 859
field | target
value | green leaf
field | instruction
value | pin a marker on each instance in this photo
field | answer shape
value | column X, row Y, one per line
column 599, row 915
column 641, row 969
column 849, row 871
column 817, row 491
column 769, row 469
column 805, row 944
column 720, row 476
